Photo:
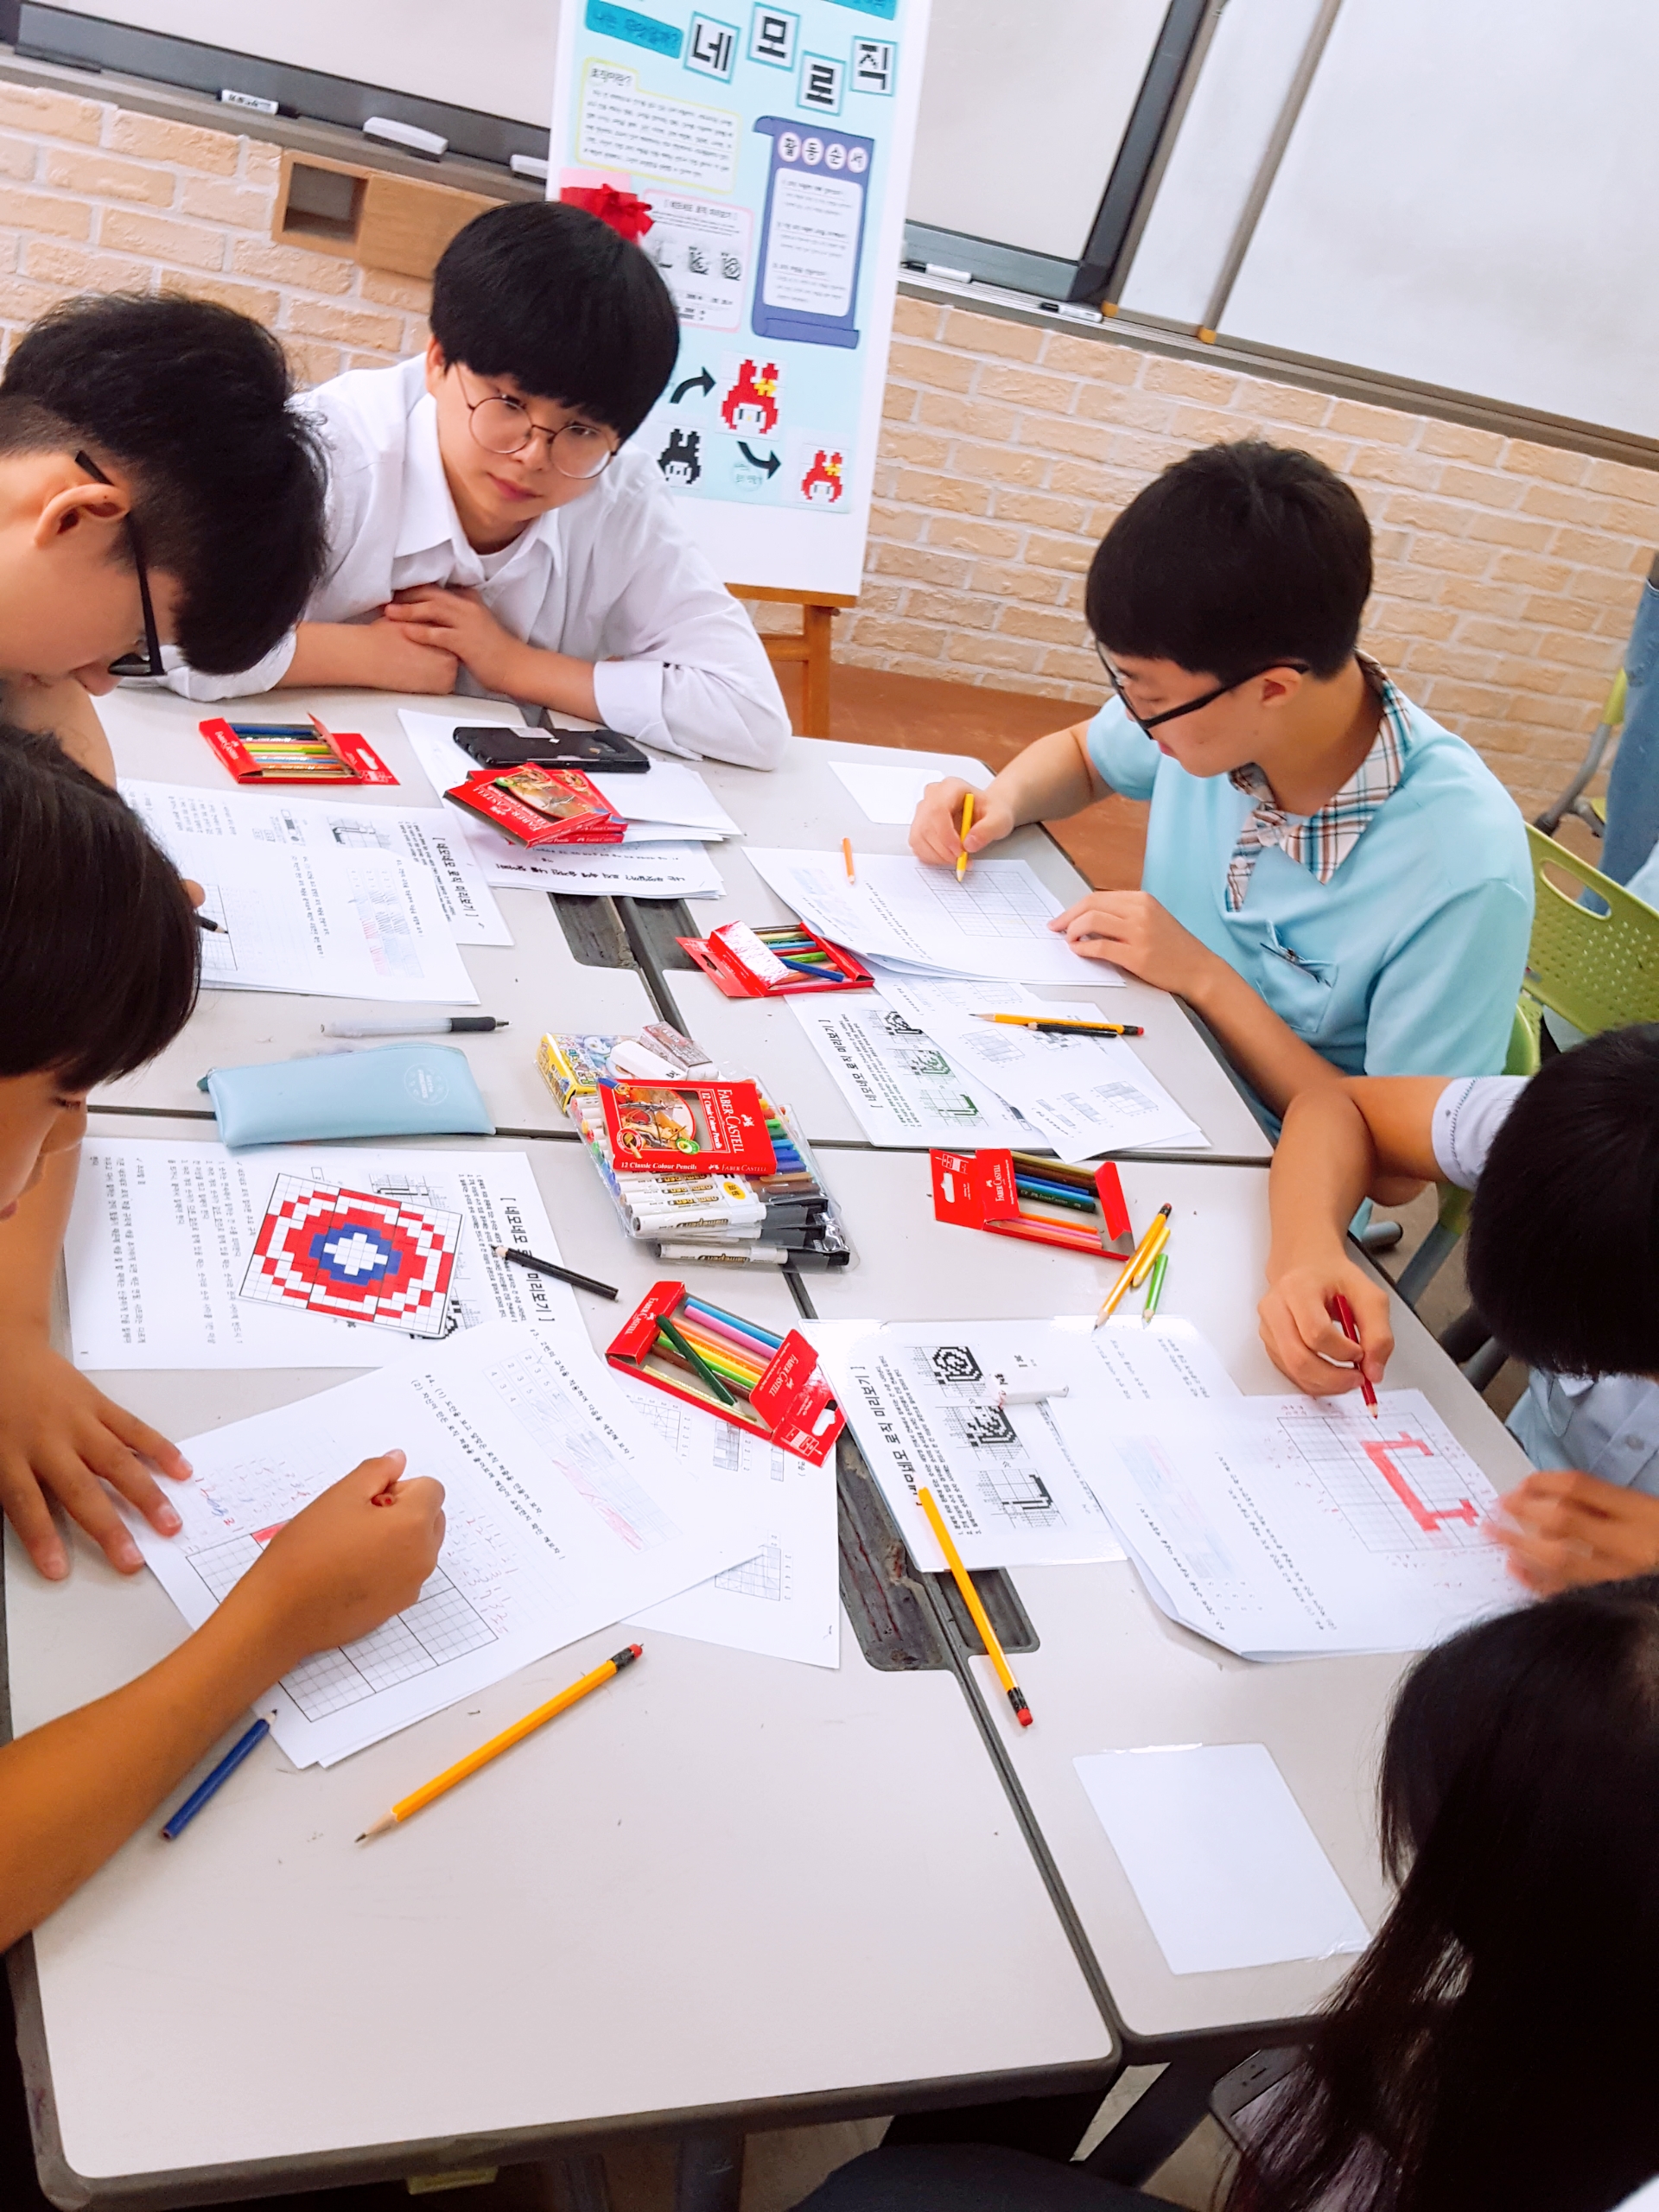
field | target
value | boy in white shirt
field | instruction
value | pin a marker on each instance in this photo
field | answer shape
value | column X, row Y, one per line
column 491, row 531
column 1563, row 1256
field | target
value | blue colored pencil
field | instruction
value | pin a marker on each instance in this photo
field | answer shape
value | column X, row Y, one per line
column 221, row 1774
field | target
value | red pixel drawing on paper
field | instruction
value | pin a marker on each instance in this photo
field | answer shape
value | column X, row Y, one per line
column 752, row 402
column 357, row 1256
column 822, row 482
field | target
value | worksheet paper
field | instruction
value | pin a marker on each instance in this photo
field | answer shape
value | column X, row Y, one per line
column 784, row 1602
column 161, row 1233
column 1015, row 1486
column 562, row 1515
column 1220, row 1856
column 598, row 871
column 1281, row 1527
column 670, row 799
column 903, row 1088
column 994, row 923
column 1083, row 1095
column 888, row 793
column 432, row 837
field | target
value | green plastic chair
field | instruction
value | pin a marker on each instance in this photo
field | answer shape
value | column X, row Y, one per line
column 1598, row 971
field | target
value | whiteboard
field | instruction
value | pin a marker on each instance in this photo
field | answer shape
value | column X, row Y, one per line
column 493, row 56
column 1022, row 110
column 1471, row 199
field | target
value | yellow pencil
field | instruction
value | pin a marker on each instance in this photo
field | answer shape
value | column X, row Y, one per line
column 847, row 857
column 971, row 1598
column 504, row 1742
column 967, row 824
column 1141, row 1268
column 1141, row 1258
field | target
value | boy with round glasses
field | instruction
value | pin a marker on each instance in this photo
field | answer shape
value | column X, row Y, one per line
column 492, row 530
column 1331, row 878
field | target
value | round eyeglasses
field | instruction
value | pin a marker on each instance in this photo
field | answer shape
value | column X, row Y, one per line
column 1150, row 723
column 503, row 425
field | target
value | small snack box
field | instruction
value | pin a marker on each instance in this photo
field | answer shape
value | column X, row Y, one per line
column 770, row 1385
column 537, row 806
column 765, row 963
column 293, row 752
column 1046, row 1201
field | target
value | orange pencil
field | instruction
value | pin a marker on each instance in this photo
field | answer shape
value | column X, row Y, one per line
column 967, row 824
column 1136, row 1265
column 847, row 855
column 971, row 1598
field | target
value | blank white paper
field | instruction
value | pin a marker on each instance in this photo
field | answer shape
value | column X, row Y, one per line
column 1220, row 1856
column 887, row 792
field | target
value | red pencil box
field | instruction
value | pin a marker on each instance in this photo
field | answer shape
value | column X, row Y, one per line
column 978, row 1190
column 358, row 762
column 789, row 1406
column 687, row 1128
column 729, row 958
column 538, row 806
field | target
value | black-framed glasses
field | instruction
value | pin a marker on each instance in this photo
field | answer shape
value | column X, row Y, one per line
column 1150, row 723
column 503, row 425
column 148, row 663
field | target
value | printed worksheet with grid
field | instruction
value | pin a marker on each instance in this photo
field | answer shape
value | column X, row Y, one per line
column 562, row 1515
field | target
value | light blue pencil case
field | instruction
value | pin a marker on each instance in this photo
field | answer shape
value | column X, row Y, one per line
column 392, row 1091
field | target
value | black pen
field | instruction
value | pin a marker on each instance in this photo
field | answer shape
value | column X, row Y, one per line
column 204, row 921
column 559, row 1274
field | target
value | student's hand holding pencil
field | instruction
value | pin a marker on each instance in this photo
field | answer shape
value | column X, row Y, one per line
column 354, row 1557
column 936, row 827
column 1305, row 1340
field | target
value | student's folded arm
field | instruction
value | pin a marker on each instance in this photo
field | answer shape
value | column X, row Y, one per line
column 72, row 1792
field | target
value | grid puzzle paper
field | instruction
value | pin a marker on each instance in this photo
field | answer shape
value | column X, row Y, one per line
column 346, row 1253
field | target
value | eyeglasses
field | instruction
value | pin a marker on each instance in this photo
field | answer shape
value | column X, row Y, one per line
column 503, row 426
column 1150, row 723
column 148, row 663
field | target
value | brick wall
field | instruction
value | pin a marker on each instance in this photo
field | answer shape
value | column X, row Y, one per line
column 1508, row 572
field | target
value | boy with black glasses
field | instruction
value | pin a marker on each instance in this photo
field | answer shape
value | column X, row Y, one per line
column 154, row 486
column 492, row 530
column 1332, row 879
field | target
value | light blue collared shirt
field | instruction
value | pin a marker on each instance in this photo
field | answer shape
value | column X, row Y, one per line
column 1409, row 960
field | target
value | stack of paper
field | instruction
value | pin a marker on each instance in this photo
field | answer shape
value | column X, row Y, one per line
column 918, row 1065
column 995, row 923
column 890, row 792
column 671, row 816
column 564, row 1514
column 1281, row 1526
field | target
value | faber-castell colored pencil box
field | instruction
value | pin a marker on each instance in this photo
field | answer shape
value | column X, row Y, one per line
column 763, row 964
column 785, row 1400
column 294, row 753
column 391, row 1090
column 983, row 1190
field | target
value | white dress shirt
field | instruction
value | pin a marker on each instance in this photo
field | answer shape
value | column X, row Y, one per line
column 613, row 578
column 1608, row 1425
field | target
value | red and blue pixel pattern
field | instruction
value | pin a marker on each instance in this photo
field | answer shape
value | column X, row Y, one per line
column 360, row 1257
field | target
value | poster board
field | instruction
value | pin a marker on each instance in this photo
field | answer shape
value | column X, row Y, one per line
column 773, row 146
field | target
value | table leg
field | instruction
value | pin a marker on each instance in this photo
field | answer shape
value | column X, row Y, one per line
column 710, row 2177
column 1161, row 2119
column 575, row 2184
column 817, row 632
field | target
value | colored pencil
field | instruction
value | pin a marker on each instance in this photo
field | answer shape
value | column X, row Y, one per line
column 971, row 1598
column 178, row 1822
column 1146, row 1249
column 1057, row 1194
column 559, row 1274
column 846, row 859
column 1053, row 1028
column 1349, row 1329
column 419, row 1798
column 1155, row 1287
column 734, row 1321
column 1140, row 1264
column 967, row 824
column 666, row 1328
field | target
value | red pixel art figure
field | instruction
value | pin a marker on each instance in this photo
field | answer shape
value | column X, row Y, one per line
column 822, row 482
column 360, row 1257
column 752, row 404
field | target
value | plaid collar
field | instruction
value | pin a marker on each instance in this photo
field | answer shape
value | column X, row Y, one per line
column 1321, row 842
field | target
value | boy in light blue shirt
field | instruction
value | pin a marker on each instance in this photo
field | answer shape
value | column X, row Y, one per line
column 1331, row 878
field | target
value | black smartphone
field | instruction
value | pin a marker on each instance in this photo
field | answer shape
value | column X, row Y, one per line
column 605, row 750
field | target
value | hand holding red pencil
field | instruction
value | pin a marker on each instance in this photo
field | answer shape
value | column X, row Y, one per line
column 1305, row 1339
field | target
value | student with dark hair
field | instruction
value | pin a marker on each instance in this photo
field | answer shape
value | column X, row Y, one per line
column 1331, row 878
column 1563, row 1256
column 154, row 486
column 99, row 954
column 1496, row 2045
column 490, row 527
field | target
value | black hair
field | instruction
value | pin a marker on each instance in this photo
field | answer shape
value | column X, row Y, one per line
column 1235, row 558
column 1497, row 2044
column 1563, row 1245
column 192, row 400
column 546, row 294
column 100, row 950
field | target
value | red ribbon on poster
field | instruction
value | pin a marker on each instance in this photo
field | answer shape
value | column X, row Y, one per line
column 626, row 214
